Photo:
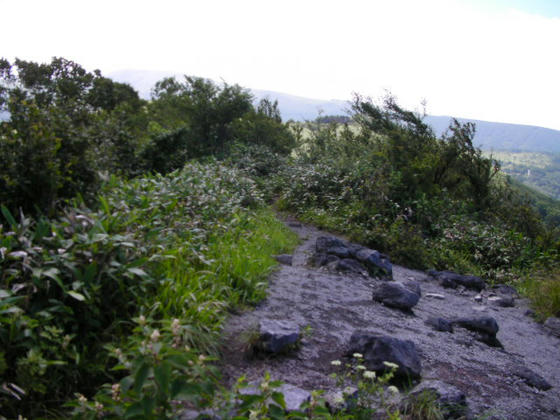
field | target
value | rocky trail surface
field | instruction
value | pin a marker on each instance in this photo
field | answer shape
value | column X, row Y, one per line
column 511, row 373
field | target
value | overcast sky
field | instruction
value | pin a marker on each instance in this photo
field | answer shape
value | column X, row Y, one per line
column 489, row 60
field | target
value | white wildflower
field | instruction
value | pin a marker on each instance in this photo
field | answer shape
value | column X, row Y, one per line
column 360, row 367
column 393, row 390
column 336, row 363
column 358, row 355
column 155, row 336
column 391, row 365
column 368, row 374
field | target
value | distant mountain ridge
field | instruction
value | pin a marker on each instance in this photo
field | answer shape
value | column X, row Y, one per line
column 489, row 135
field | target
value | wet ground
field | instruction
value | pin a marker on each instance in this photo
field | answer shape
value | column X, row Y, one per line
column 330, row 306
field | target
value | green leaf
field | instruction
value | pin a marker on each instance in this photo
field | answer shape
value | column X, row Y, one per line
column 278, row 398
column 9, row 217
column 141, row 376
column 77, row 296
column 162, row 375
column 138, row 272
column 135, row 410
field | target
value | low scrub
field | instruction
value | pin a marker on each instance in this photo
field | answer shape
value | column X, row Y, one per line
column 114, row 294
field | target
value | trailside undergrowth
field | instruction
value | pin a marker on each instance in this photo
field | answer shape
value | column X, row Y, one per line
column 130, row 294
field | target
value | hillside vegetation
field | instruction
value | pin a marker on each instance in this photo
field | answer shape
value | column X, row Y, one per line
column 131, row 227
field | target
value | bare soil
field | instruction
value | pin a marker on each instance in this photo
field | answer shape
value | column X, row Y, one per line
column 330, row 306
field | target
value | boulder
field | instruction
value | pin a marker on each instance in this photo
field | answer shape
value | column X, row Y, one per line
column 350, row 265
column 321, row 260
column 377, row 264
column 277, row 336
column 324, row 243
column 485, row 327
column 413, row 286
column 377, row 349
column 531, row 378
column 451, row 401
column 395, row 295
column 453, row 280
column 339, row 251
column 439, row 324
column 285, row 259
column 552, row 325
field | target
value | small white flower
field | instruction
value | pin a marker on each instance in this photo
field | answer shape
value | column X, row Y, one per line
column 368, row 374
column 155, row 336
column 361, row 367
column 82, row 399
column 391, row 365
column 336, row 363
column 393, row 390
column 358, row 355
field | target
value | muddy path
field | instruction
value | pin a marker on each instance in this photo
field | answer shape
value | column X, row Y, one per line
column 331, row 306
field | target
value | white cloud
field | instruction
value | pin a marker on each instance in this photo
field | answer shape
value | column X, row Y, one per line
column 500, row 65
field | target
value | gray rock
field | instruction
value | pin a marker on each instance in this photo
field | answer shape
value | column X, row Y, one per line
column 450, row 400
column 285, row 259
column 439, row 324
column 552, row 325
column 505, row 290
column 339, row 251
column 435, row 296
column 277, row 336
column 452, row 280
column 377, row 264
column 324, row 243
column 502, row 301
column 321, row 260
column 377, row 349
column 395, row 295
column 413, row 286
column 531, row 378
column 294, row 397
column 350, row 265
column 485, row 327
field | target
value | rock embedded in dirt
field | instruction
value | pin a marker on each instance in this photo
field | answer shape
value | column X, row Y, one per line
column 350, row 265
column 413, row 286
column 377, row 349
column 395, row 295
column 486, row 328
column 285, row 259
column 377, row 264
column 324, row 243
column 552, row 325
column 452, row 280
column 321, row 260
column 505, row 290
column 339, row 251
column 435, row 296
column 531, row 378
column 502, row 301
column 449, row 399
column 439, row 324
column 277, row 336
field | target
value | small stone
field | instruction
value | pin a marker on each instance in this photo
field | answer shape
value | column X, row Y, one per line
column 478, row 298
column 285, row 259
column 531, row 378
column 452, row 280
column 395, row 295
column 439, row 324
column 435, row 296
column 277, row 336
column 502, row 301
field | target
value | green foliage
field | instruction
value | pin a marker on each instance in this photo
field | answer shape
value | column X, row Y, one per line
column 65, row 124
column 186, row 246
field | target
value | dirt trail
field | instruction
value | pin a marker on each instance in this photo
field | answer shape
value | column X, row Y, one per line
column 331, row 306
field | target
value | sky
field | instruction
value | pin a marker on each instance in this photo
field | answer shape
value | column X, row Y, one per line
column 482, row 59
